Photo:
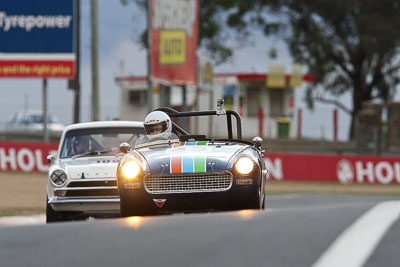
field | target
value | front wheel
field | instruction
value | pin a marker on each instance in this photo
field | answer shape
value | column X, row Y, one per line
column 263, row 202
column 51, row 214
column 56, row 216
column 127, row 210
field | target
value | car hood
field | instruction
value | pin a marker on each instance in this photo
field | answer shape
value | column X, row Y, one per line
column 189, row 157
column 99, row 167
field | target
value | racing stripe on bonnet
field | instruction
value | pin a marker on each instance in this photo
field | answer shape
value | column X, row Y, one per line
column 189, row 164
column 200, row 159
column 176, row 165
column 188, row 161
column 176, row 161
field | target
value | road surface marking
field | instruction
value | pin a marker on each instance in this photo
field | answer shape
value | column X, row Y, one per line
column 354, row 246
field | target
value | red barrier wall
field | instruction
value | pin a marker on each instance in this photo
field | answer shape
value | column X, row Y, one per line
column 333, row 168
column 27, row 157
column 30, row 157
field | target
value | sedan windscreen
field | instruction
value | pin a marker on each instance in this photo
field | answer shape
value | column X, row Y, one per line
column 101, row 140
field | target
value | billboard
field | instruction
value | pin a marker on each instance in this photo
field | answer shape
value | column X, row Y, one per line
column 174, row 34
column 37, row 39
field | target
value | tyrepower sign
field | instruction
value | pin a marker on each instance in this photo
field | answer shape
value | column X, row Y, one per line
column 37, row 39
column 174, row 30
column 333, row 168
column 27, row 157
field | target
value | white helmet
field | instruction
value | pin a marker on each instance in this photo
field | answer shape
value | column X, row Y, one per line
column 158, row 124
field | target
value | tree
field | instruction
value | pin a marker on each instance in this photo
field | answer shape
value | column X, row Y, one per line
column 348, row 45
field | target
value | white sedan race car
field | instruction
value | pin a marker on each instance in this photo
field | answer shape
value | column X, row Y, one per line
column 82, row 177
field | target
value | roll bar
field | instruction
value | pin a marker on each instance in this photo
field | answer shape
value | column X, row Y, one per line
column 229, row 113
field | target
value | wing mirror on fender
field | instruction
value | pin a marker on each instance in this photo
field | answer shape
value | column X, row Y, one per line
column 50, row 159
column 257, row 142
column 124, row 147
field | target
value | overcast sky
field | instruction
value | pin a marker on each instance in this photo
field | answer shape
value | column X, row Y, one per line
column 120, row 56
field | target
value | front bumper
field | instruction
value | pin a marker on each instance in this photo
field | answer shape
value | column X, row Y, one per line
column 237, row 196
column 86, row 205
column 86, row 195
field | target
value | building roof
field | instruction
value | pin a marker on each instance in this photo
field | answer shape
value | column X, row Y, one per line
column 240, row 75
column 259, row 76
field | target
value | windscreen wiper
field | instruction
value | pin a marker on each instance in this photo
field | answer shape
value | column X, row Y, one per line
column 92, row 153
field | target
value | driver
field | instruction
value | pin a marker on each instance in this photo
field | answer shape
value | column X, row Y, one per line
column 158, row 125
column 80, row 145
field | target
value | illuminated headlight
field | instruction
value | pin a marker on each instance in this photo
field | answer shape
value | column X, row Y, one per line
column 58, row 177
column 244, row 165
column 130, row 169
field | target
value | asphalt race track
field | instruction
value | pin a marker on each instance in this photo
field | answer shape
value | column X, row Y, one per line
column 295, row 230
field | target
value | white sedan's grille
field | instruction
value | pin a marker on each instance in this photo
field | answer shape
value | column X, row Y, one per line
column 188, row 182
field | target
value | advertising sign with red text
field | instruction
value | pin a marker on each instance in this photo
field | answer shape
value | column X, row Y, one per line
column 174, row 34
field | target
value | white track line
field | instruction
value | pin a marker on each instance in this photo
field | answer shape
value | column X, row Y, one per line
column 23, row 220
column 354, row 246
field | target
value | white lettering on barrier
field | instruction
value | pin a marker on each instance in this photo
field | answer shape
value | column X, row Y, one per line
column 39, row 161
column 367, row 171
column 7, row 159
column 30, row 164
column 384, row 172
column 29, row 22
column 274, row 168
column 24, row 159
column 345, row 171
column 397, row 171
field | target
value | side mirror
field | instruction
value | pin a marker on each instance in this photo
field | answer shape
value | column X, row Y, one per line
column 50, row 159
column 257, row 142
column 124, row 147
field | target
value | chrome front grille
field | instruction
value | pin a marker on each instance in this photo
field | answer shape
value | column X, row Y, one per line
column 89, row 188
column 188, row 182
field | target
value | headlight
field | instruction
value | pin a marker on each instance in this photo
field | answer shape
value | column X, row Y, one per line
column 130, row 169
column 58, row 177
column 244, row 165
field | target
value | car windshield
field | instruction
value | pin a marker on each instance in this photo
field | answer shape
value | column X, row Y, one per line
column 98, row 141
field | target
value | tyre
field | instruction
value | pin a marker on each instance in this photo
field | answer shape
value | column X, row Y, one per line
column 124, row 209
column 260, row 200
column 56, row 216
column 127, row 210
column 52, row 215
column 263, row 202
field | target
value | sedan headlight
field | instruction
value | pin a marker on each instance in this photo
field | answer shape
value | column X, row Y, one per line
column 244, row 165
column 130, row 169
column 58, row 177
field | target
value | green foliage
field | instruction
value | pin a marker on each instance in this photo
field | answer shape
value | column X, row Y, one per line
column 348, row 45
